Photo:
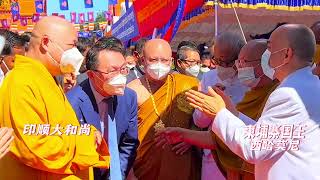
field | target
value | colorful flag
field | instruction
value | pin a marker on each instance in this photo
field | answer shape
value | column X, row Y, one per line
column 108, row 15
column 15, row 17
column 39, row 6
column 81, row 18
column 64, row 5
column 73, row 17
column 90, row 17
column 15, row 8
column 35, row 17
column 62, row 16
column 4, row 23
column 113, row 2
column 88, row 3
column 23, row 21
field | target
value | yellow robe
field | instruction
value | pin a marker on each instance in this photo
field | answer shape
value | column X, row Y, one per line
column 30, row 96
column 252, row 106
column 155, row 163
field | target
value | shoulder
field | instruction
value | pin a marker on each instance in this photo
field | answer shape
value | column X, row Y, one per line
column 184, row 78
column 75, row 94
column 129, row 93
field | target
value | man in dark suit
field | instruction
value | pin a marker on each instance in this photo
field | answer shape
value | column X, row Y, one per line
column 103, row 101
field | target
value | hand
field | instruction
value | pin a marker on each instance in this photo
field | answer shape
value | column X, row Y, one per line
column 98, row 138
column 69, row 81
column 227, row 100
column 170, row 135
column 6, row 138
column 209, row 104
column 181, row 148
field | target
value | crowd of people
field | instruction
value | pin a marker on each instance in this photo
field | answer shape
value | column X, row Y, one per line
column 79, row 108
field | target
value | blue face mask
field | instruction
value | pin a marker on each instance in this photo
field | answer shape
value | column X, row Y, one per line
column 265, row 59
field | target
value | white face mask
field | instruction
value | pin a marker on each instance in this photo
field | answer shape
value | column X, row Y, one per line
column 115, row 86
column 193, row 71
column 267, row 69
column 226, row 73
column 71, row 60
column 158, row 71
column 204, row 69
column 131, row 66
column 247, row 77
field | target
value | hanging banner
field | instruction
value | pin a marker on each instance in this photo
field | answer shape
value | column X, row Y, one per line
column 112, row 2
column 4, row 23
column 39, row 6
column 88, row 4
column 64, row 5
column 23, row 21
column 15, row 8
column 73, row 17
column 35, row 17
column 81, row 18
column 179, row 17
column 90, row 16
column 126, row 27
column 62, row 16
column 108, row 15
column 15, row 18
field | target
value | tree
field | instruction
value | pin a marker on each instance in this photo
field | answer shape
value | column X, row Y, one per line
column 100, row 17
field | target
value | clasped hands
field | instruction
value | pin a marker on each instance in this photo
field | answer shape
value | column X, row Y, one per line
column 210, row 104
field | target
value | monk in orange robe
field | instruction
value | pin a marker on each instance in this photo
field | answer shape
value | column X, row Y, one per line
column 162, row 103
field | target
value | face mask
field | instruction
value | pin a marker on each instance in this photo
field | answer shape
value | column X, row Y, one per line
column 204, row 69
column 131, row 66
column 247, row 77
column 225, row 73
column 71, row 61
column 115, row 86
column 193, row 71
column 158, row 71
column 267, row 70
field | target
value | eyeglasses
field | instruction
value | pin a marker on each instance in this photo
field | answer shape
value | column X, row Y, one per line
column 220, row 62
column 191, row 62
column 124, row 70
column 163, row 60
column 246, row 63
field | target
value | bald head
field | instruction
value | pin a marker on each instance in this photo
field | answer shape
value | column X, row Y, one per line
column 254, row 48
column 298, row 37
column 316, row 31
column 155, row 47
column 50, row 37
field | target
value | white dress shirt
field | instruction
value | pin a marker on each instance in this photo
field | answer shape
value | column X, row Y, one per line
column 295, row 103
column 102, row 107
column 233, row 88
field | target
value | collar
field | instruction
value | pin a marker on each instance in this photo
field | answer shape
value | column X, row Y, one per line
column 98, row 97
column 299, row 72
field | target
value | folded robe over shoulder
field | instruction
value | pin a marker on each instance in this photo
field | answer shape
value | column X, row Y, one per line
column 30, row 96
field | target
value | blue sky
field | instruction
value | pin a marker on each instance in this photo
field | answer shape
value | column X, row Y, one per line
column 77, row 6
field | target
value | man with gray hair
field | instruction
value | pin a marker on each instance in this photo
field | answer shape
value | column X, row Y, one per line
column 289, row 148
column 226, row 49
column 188, row 60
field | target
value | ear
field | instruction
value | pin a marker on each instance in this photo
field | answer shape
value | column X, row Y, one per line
column 44, row 42
column 289, row 54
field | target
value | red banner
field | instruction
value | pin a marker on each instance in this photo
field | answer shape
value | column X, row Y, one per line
column 81, row 18
column 73, row 17
column 156, row 13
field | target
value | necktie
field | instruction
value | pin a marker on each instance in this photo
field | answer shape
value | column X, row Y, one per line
column 115, row 170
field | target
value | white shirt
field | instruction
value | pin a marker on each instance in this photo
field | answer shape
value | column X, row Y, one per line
column 102, row 107
column 233, row 88
column 295, row 102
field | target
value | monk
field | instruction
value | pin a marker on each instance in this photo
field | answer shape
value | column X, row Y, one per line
column 48, row 141
column 162, row 103
column 250, row 74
